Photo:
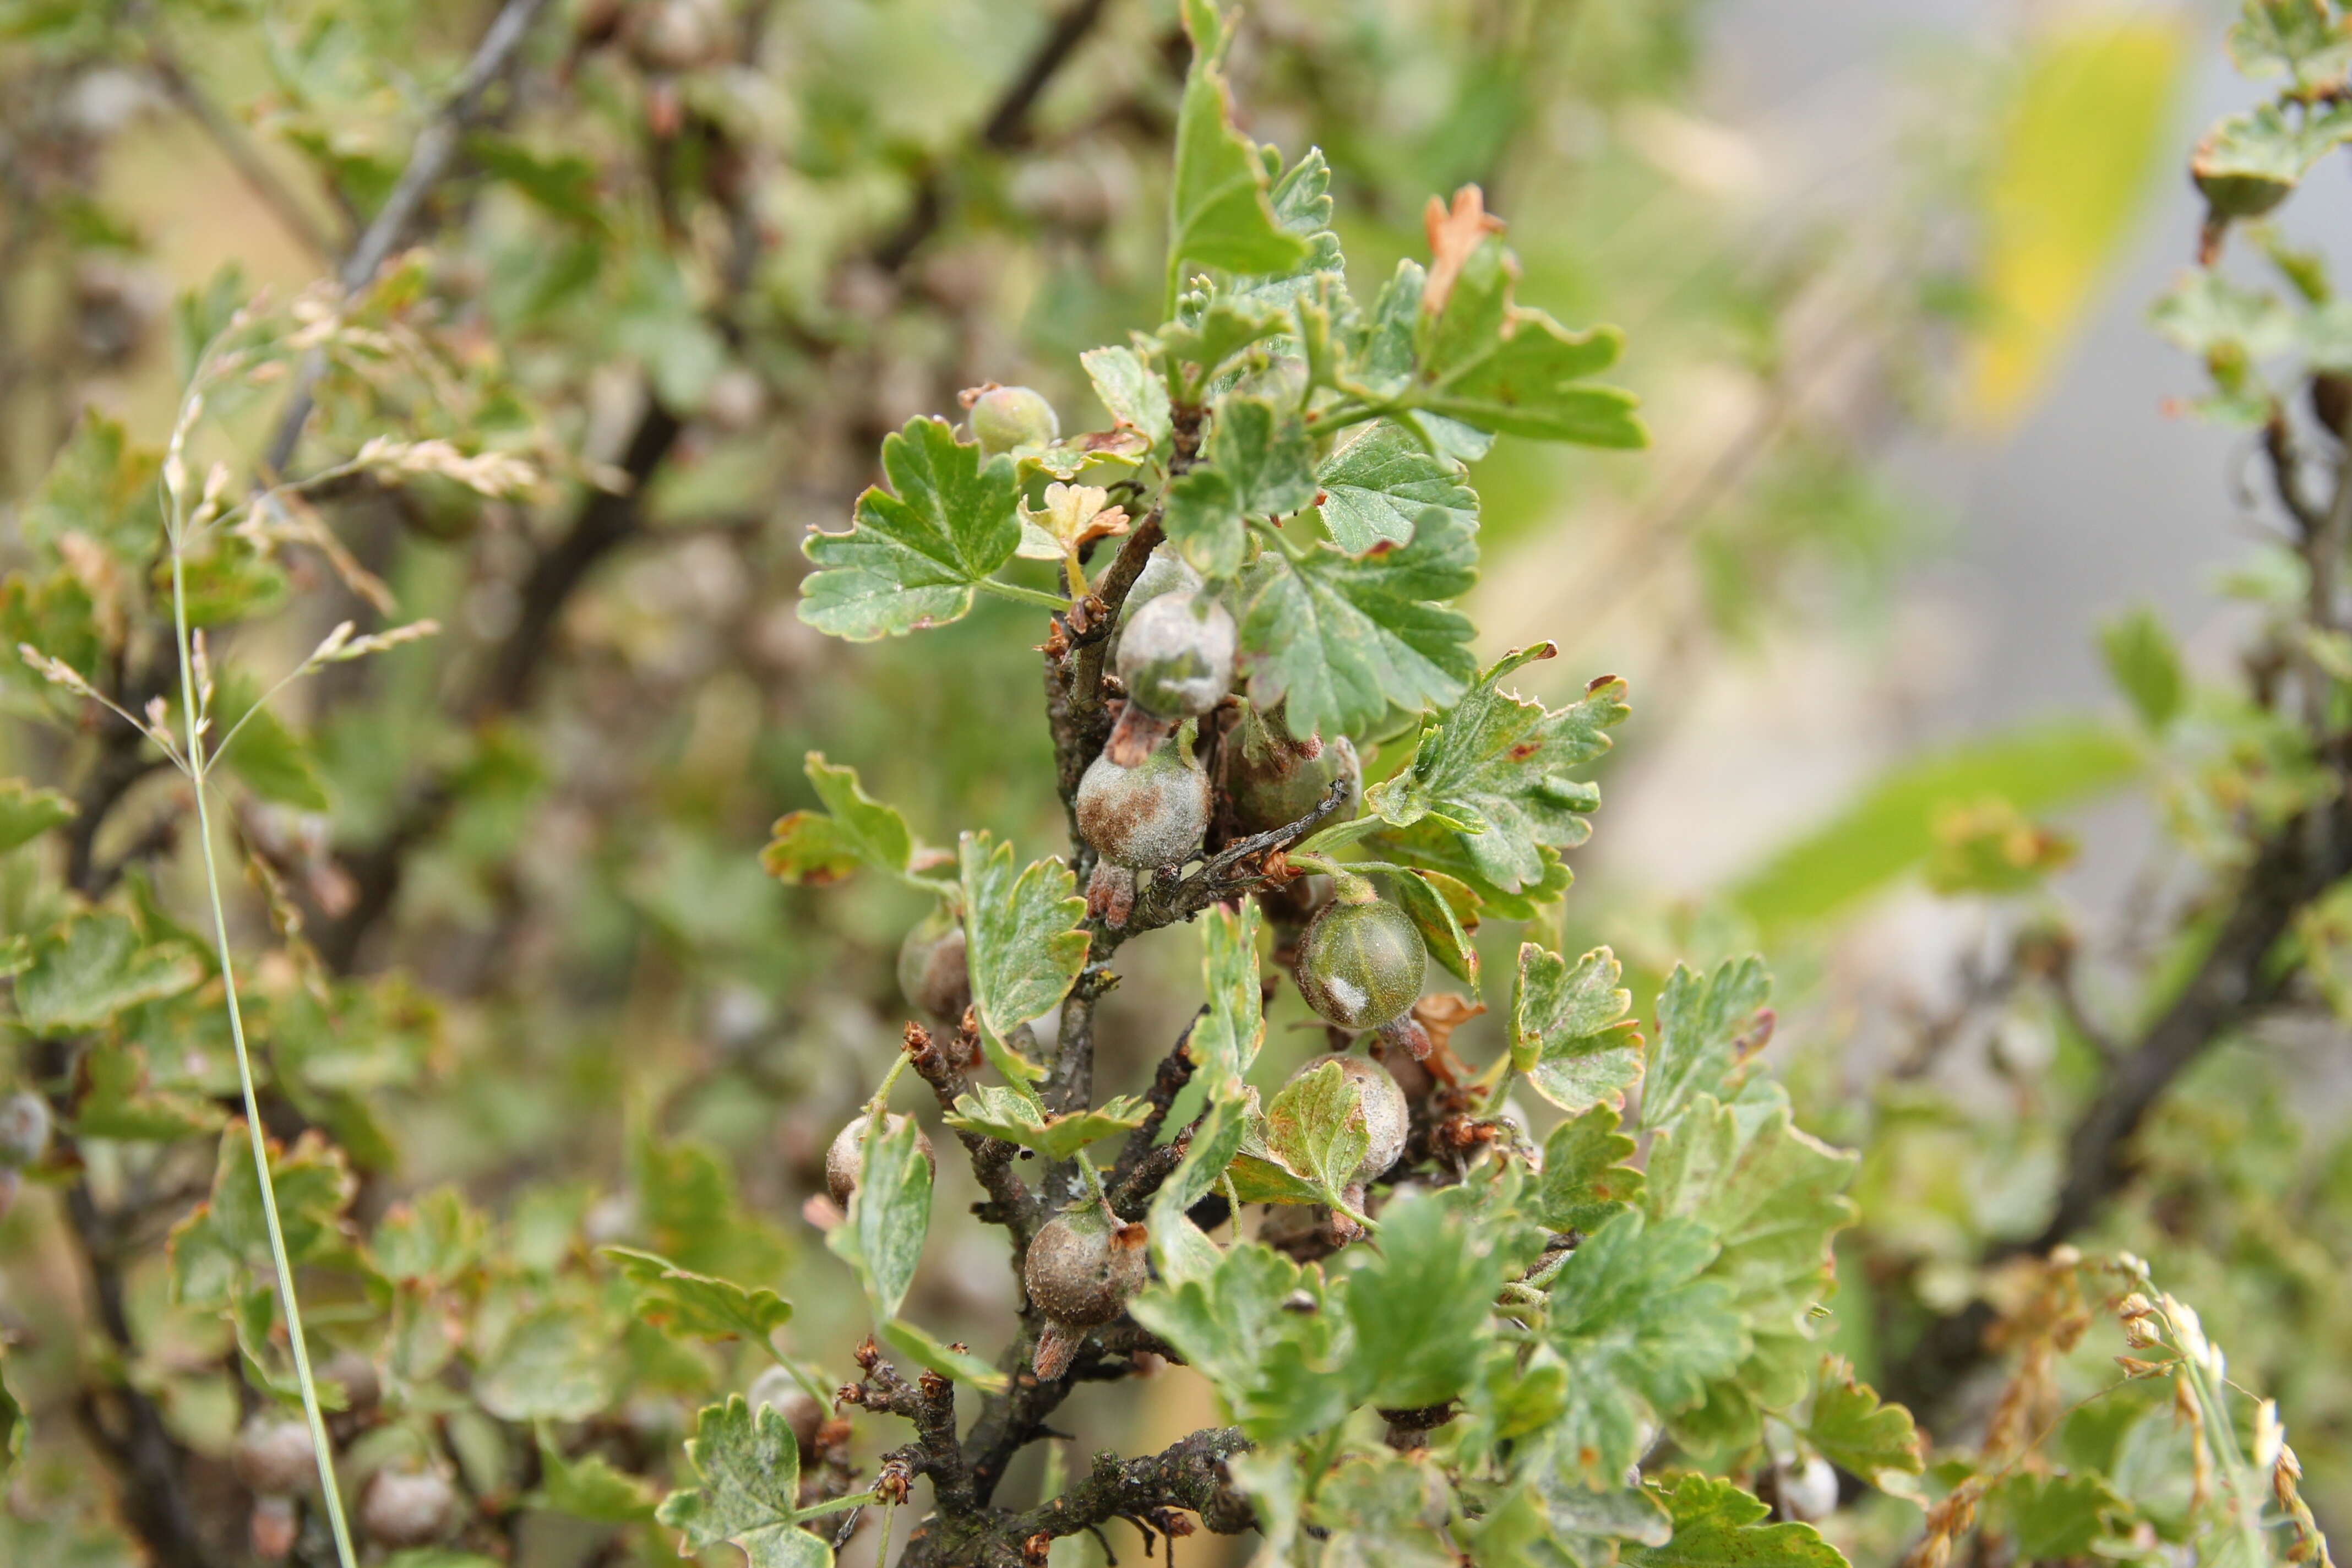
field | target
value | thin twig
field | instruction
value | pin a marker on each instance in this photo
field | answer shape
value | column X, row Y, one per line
column 428, row 160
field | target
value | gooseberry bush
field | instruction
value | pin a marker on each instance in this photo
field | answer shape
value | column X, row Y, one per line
column 1561, row 1293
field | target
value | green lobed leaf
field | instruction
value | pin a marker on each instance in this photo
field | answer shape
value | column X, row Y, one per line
column 116, row 1102
column 1024, row 942
column 1344, row 641
column 683, row 1303
column 995, row 1111
column 1854, row 1430
column 1773, row 1197
column 693, row 1215
column 2054, row 1517
column 1493, row 769
column 2298, row 39
column 275, row 763
column 1226, row 1038
column 1568, row 1031
column 26, row 813
column 1717, row 1525
column 913, row 556
column 1279, row 1369
column 1180, row 1249
column 433, row 1237
column 1444, row 911
column 1258, row 463
column 1301, row 200
column 589, row 1487
column 1432, row 847
column 1488, row 362
column 1421, row 1303
column 889, row 1216
column 92, row 966
column 1375, row 487
column 1700, row 1023
column 557, row 1362
column 749, row 1467
column 1218, row 214
column 1135, row 394
column 102, row 487
column 2145, row 664
column 1313, row 1131
column 226, row 1238
column 1890, row 830
column 1585, row 1180
column 1643, row 1333
column 1384, row 1510
column 853, row 830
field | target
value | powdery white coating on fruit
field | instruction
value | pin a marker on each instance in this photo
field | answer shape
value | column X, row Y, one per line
column 1809, row 1493
column 1003, row 417
column 934, row 969
column 780, row 1391
column 1361, row 964
column 1082, row 1270
column 1387, row 1118
column 23, row 1128
column 1176, row 655
column 273, row 1455
column 1146, row 817
column 1164, row 574
column 407, row 1507
column 842, row 1160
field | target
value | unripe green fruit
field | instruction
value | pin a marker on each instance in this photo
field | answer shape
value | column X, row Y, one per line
column 933, row 971
column 1360, row 964
column 1176, row 655
column 848, row 1151
column 1003, row 417
column 23, row 1128
column 1149, row 816
column 407, row 1507
column 273, row 1455
column 1387, row 1118
column 780, row 1391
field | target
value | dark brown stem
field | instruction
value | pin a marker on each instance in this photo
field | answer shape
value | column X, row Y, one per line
column 1010, row 1203
column 1168, row 1081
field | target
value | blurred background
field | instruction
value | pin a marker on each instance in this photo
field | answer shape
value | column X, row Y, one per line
column 1885, row 270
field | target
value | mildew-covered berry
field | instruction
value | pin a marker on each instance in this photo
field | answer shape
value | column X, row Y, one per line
column 1360, row 962
column 933, row 971
column 1149, row 816
column 1176, row 655
column 848, row 1151
column 407, row 1507
column 1272, row 779
column 23, row 1128
column 273, row 1455
column 1081, row 1270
